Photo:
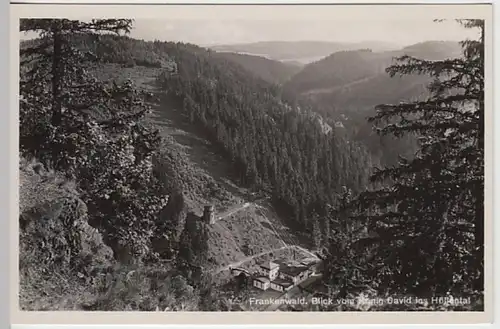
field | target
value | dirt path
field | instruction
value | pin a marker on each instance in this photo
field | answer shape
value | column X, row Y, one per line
column 306, row 251
column 272, row 226
column 260, row 208
column 235, row 209
column 249, row 258
column 231, row 211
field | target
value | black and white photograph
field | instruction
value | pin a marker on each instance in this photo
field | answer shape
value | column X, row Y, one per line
column 251, row 165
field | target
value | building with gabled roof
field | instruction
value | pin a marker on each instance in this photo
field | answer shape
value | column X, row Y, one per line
column 282, row 276
column 261, row 282
column 281, row 284
column 269, row 269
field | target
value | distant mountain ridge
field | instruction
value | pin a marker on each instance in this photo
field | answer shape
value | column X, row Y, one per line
column 300, row 51
column 433, row 50
column 347, row 78
column 345, row 87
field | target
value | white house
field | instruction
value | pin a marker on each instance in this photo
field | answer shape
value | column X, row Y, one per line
column 261, row 283
column 270, row 270
column 280, row 277
column 281, row 285
column 296, row 274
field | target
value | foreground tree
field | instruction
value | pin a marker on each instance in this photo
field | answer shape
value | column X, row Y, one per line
column 345, row 259
column 429, row 216
column 90, row 130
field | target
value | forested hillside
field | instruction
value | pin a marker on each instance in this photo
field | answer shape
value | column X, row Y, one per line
column 338, row 69
column 349, row 74
column 432, row 50
column 347, row 85
column 269, row 70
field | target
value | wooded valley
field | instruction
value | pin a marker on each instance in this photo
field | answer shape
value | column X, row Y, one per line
column 373, row 160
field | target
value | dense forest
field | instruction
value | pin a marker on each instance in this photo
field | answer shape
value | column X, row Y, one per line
column 413, row 226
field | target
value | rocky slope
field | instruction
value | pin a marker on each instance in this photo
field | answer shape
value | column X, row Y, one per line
column 58, row 249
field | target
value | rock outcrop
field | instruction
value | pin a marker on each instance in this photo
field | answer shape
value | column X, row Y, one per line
column 56, row 243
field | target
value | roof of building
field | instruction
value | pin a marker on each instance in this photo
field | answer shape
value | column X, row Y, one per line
column 262, row 279
column 239, row 272
column 292, row 270
column 309, row 262
column 238, row 269
column 269, row 265
column 282, row 282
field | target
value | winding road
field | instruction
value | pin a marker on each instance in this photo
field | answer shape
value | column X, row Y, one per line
column 249, row 258
column 231, row 211
column 235, row 209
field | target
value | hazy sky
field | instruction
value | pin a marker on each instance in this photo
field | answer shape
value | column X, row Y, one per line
column 209, row 32
column 212, row 32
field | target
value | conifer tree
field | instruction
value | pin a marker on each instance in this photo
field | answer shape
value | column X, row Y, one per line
column 89, row 130
column 345, row 260
column 429, row 214
column 193, row 245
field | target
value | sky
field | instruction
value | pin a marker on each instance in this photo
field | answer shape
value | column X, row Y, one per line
column 213, row 32
column 217, row 32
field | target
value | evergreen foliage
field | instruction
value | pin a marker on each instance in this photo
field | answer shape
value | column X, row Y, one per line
column 427, row 216
column 90, row 130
